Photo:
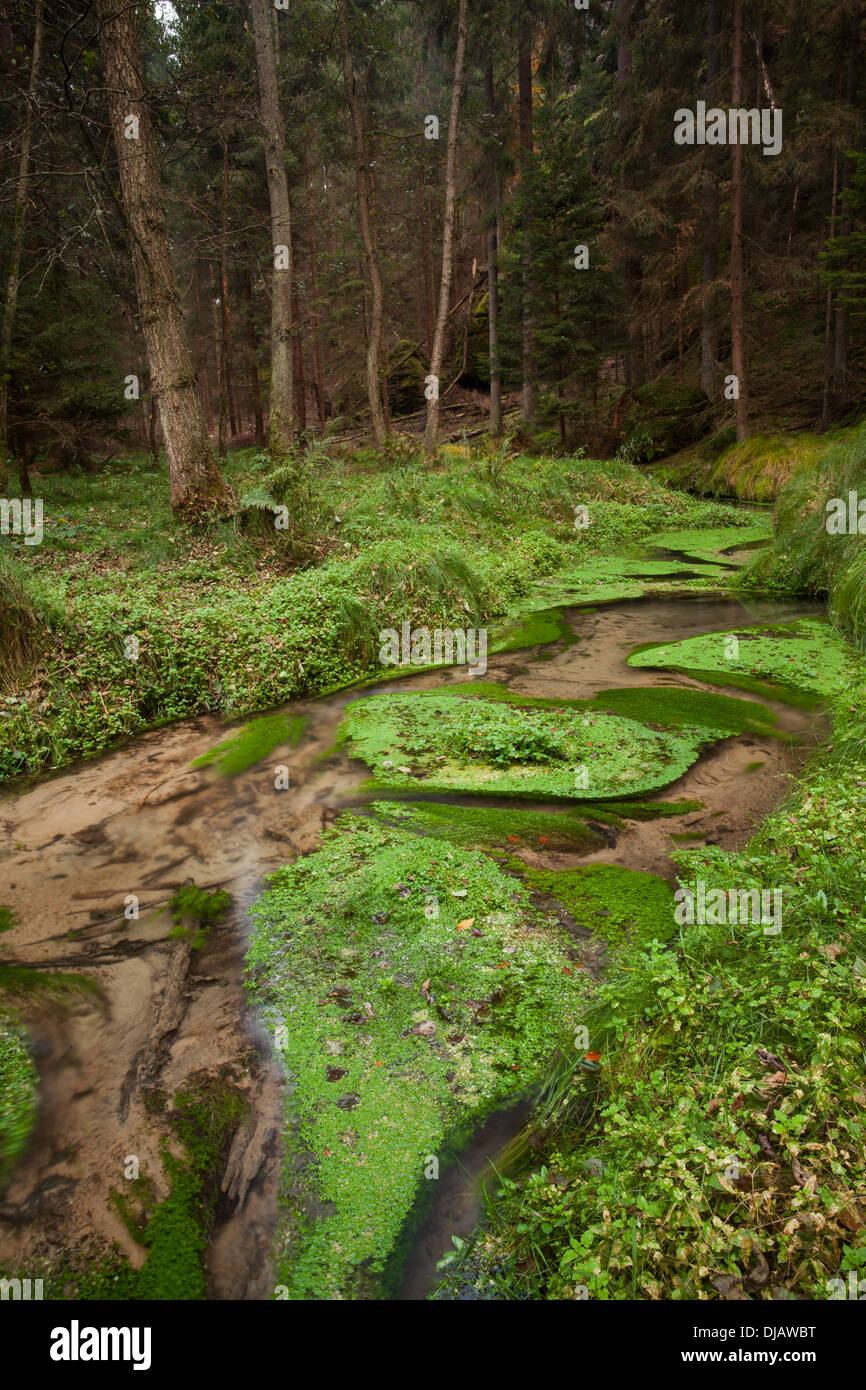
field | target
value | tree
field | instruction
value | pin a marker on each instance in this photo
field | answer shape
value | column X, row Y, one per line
column 431, row 432
column 282, row 408
column 196, row 484
column 14, row 276
column 493, row 215
column 738, row 325
column 710, row 216
column 368, row 231
column 527, row 168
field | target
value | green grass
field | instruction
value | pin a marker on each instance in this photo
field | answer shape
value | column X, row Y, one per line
column 808, row 561
column 18, row 1096
column 688, row 1158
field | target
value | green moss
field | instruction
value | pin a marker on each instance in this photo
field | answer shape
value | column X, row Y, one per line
column 462, row 741
column 420, row 976
column 675, row 707
column 709, row 544
column 252, row 743
column 18, row 1096
column 802, row 656
column 615, row 903
column 484, row 826
column 205, row 1116
column 535, row 630
column 194, row 911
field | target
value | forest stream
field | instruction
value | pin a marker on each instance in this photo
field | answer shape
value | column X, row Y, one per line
column 142, row 821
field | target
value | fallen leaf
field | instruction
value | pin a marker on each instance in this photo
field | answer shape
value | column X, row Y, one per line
column 730, row 1288
column 467, row 922
column 758, row 1275
column 769, row 1059
column 766, row 1147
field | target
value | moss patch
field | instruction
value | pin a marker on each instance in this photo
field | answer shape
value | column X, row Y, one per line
column 805, row 655
column 614, row 903
column 18, row 1096
column 708, row 545
column 466, row 742
column 486, row 826
column 252, row 743
column 409, row 986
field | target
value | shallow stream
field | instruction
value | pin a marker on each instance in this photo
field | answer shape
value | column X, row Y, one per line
column 142, row 821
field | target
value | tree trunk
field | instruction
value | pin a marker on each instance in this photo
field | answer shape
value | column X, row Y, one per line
column 828, row 303
column 426, row 240
column 432, row 430
column 220, row 345
column 524, row 102
column 738, row 323
column 14, row 276
column 254, row 365
column 710, row 217
column 282, row 406
column 493, row 261
column 318, row 357
column 368, row 235
column 840, row 320
column 632, row 269
column 154, row 447
column 300, row 380
column 196, row 484
column 225, row 302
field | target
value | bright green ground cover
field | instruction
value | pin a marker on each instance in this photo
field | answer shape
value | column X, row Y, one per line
column 418, row 979
column 481, row 740
column 805, row 655
column 238, row 618
column 18, row 1095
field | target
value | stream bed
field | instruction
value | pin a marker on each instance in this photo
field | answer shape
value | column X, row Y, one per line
column 141, row 822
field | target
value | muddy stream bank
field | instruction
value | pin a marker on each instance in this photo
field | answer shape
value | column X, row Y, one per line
column 141, row 821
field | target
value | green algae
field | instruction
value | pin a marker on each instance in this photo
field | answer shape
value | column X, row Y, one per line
column 804, row 656
column 536, row 629
column 674, row 707
column 490, row 826
column 710, row 544
column 614, row 903
column 19, row 1095
column 418, row 978
column 253, row 742
column 444, row 742
column 480, row 738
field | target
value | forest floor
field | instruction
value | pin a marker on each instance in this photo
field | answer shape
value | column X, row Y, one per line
column 711, row 1142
